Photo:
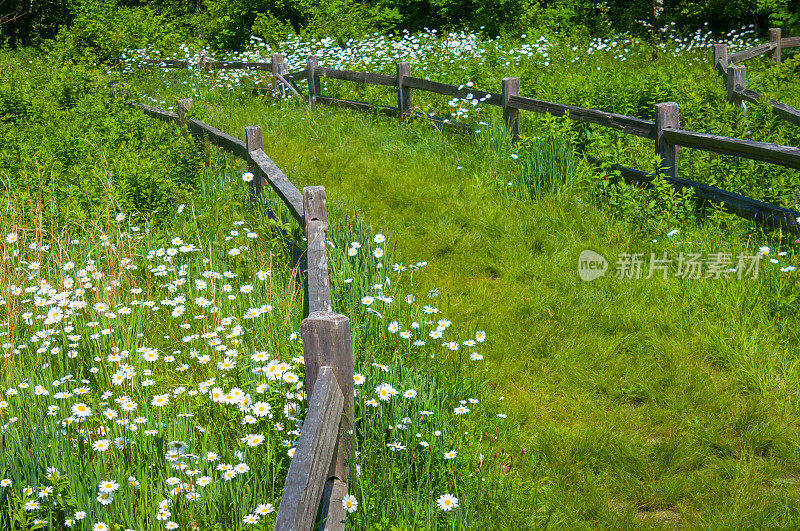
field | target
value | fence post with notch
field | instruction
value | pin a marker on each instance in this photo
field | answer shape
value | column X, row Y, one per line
column 775, row 38
column 667, row 117
column 404, row 102
column 511, row 114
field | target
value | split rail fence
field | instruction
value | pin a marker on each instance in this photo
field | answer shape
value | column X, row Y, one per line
column 317, row 479
column 664, row 131
column 736, row 74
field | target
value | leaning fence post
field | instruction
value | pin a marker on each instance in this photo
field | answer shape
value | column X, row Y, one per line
column 511, row 114
column 404, row 102
column 775, row 38
column 278, row 68
column 721, row 57
column 667, row 118
column 254, row 140
column 312, row 62
column 327, row 341
column 183, row 108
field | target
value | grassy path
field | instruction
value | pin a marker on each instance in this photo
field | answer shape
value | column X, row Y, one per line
column 631, row 402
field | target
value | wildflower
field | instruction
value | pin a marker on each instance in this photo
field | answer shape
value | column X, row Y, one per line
column 410, row 393
column 108, row 486
column 250, row 519
column 451, row 454
column 395, row 446
column 264, row 509
column 105, row 497
column 31, row 505
column 350, row 503
column 394, row 326
column 6, row 483
column 475, row 356
column 100, row 526
column 160, row 400
column 379, row 238
column 81, row 410
column 461, row 410
column 247, row 177
column 447, row 502
column 202, row 481
column 171, row 525
column 367, row 300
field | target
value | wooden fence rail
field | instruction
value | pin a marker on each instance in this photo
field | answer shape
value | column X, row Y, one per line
column 736, row 75
column 317, row 480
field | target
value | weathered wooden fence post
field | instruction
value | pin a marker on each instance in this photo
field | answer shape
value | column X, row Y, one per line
column 511, row 114
column 201, row 64
column 404, row 102
column 278, row 68
column 737, row 80
column 312, row 62
column 775, row 38
column 720, row 60
column 183, row 108
column 142, row 57
column 254, row 140
column 667, row 118
column 327, row 342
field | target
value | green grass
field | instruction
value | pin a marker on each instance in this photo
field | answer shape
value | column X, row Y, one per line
column 632, row 402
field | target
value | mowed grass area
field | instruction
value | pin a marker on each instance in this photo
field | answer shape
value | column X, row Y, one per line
column 632, row 403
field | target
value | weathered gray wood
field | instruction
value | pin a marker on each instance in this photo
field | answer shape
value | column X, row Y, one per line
column 254, row 140
column 720, row 59
column 775, row 41
column 312, row 62
column 183, row 108
column 327, row 341
column 237, row 65
column 286, row 85
column 310, row 465
column 381, row 109
column 667, row 117
column 166, row 63
column 295, row 76
column 737, row 80
column 278, row 69
column 333, row 512
column 783, row 111
column 357, row 77
column 626, row 124
column 281, row 184
column 158, row 113
column 790, row 42
column 316, row 229
column 218, row 138
column 404, row 102
column 452, row 90
column 511, row 113
column 744, row 55
column 745, row 207
column 765, row 151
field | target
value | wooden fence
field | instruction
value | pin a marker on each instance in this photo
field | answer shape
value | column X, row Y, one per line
column 665, row 131
column 317, row 479
column 736, row 74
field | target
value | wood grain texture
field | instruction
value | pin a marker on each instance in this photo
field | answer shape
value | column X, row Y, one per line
column 404, row 100
column 218, row 138
column 775, row 41
column 312, row 62
column 764, row 213
column 764, row 151
column 300, row 75
column 311, row 462
column 158, row 113
column 254, row 139
column 357, row 77
column 327, row 342
column 744, row 55
column 453, row 91
column 667, row 117
column 736, row 80
column 237, row 65
column 626, row 124
column 280, row 184
column 720, row 58
column 316, row 229
column 790, row 42
column 510, row 112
